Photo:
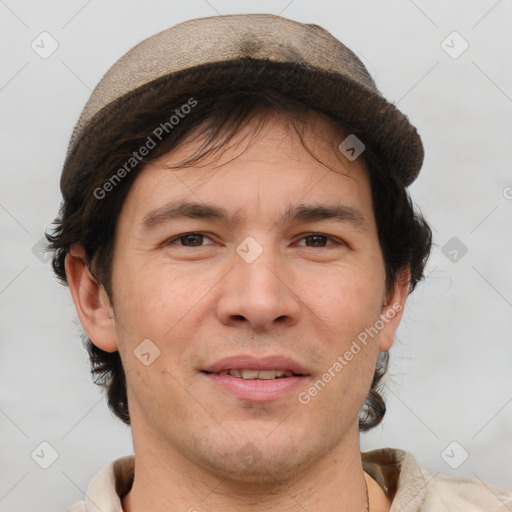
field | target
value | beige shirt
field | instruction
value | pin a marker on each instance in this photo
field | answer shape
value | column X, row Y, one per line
column 409, row 487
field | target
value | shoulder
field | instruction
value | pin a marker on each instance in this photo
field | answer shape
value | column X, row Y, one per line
column 464, row 494
column 108, row 485
column 78, row 507
column 413, row 488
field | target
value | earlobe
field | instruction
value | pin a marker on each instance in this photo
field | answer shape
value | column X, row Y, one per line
column 392, row 311
column 91, row 301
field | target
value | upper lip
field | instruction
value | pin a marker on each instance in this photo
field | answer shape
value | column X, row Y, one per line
column 248, row 362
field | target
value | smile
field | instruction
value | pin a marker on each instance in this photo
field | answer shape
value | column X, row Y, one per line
column 258, row 374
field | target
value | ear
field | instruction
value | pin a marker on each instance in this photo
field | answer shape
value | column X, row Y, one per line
column 91, row 301
column 393, row 309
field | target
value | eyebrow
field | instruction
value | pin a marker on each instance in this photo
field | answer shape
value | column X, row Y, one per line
column 294, row 213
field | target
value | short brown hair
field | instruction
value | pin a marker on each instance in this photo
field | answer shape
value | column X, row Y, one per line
column 404, row 236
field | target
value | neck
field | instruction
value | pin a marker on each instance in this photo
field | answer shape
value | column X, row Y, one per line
column 165, row 480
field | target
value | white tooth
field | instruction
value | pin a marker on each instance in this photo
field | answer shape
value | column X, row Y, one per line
column 257, row 374
column 249, row 374
column 268, row 374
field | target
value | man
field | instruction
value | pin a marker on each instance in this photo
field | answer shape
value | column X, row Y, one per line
column 239, row 243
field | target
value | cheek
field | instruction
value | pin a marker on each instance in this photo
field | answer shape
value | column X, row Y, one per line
column 154, row 300
column 346, row 300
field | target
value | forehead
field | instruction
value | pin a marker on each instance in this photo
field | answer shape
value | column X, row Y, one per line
column 266, row 166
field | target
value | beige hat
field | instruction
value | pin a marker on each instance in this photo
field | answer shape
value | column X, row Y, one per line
column 248, row 51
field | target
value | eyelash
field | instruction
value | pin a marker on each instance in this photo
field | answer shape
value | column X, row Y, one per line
column 334, row 241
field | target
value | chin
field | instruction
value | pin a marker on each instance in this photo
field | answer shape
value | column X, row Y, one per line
column 262, row 462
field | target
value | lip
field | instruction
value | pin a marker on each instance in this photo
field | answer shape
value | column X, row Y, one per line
column 248, row 362
column 257, row 390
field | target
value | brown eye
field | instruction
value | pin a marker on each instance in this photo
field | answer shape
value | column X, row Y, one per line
column 189, row 240
column 316, row 240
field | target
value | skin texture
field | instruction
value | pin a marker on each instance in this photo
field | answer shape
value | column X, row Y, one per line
column 303, row 297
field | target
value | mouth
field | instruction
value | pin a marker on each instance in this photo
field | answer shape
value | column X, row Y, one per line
column 258, row 374
column 256, row 379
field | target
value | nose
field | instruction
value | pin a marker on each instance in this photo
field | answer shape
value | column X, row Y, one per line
column 259, row 294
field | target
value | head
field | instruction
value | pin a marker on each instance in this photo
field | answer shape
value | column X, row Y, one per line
column 312, row 251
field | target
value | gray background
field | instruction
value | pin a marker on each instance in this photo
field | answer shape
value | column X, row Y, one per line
column 450, row 378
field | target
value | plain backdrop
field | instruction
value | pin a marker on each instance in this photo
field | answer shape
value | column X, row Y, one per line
column 449, row 389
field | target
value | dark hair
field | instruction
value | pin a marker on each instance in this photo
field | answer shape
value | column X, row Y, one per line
column 84, row 219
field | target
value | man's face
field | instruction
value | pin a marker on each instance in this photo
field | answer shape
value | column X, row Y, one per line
column 276, row 285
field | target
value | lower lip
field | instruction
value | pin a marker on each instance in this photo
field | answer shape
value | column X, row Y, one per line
column 257, row 390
